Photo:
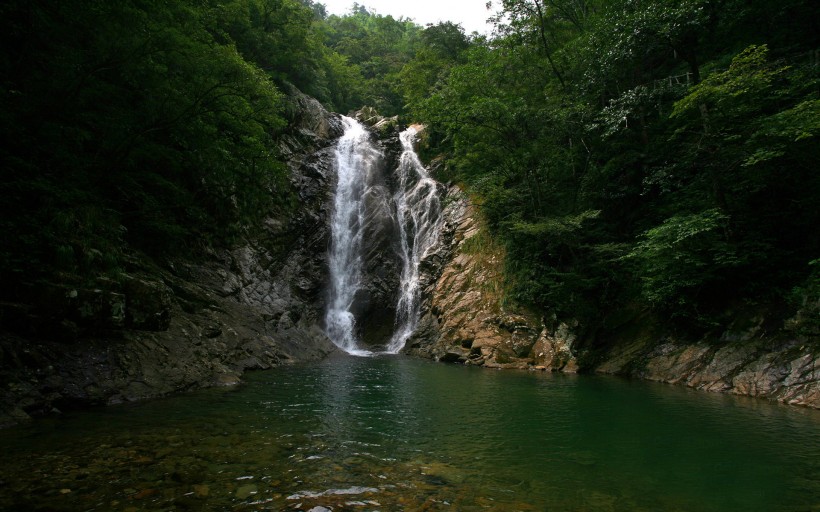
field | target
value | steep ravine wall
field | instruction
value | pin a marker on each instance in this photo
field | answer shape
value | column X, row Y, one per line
column 171, row 326
column 465, row 322
column 786, row 370
column 464, row 319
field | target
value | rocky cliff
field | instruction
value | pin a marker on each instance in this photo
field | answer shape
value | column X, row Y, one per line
column 746, row 362
column 465, row 321
column 168, row 326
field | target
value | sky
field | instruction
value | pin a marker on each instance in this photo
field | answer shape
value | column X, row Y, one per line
column 471, row 14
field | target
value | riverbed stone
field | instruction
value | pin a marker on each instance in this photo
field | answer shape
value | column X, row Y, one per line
column 244, row 491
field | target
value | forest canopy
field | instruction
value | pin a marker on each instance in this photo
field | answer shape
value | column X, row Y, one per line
column 642, row 154
column 651, row 155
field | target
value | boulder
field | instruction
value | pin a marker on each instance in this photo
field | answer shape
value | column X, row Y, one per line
column 553, row 350
column 147, row 304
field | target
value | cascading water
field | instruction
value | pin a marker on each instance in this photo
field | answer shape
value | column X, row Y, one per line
column 355, row 156
column 415, row 213
column 418, row 210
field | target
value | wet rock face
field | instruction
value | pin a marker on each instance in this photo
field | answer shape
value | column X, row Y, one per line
column 374, row 306
column 462, row 321
column 553, row 351
column 147, row 304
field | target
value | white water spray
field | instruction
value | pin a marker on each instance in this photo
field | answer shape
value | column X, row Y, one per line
column 355, row 158
column 418, row 210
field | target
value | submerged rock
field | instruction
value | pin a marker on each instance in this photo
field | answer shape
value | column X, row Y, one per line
column 246, row 490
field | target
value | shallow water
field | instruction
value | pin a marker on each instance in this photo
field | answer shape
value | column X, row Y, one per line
column 392, row 433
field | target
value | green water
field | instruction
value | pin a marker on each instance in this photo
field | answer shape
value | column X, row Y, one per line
column 391, row 433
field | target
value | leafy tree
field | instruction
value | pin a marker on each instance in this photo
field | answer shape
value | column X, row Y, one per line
column 132, row 124
column 442, row 46
column 752, row 154
column 697, row 161
column 378, row 47
column 278, row 36
column 678, row 258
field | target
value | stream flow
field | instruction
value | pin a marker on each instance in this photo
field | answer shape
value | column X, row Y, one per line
column 356, row 155
column 414, row 214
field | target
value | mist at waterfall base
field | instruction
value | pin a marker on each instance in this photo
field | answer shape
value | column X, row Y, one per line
column 416, row 209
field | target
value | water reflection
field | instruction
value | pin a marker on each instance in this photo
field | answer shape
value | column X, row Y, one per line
column 391, row 433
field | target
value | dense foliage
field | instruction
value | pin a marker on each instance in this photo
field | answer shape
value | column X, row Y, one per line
column 154, row 125
column 133, row 122
column 642, row 155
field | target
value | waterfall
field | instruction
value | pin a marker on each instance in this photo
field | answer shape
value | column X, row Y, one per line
column 413, row 209
column 355, row 157
column 418, row 211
